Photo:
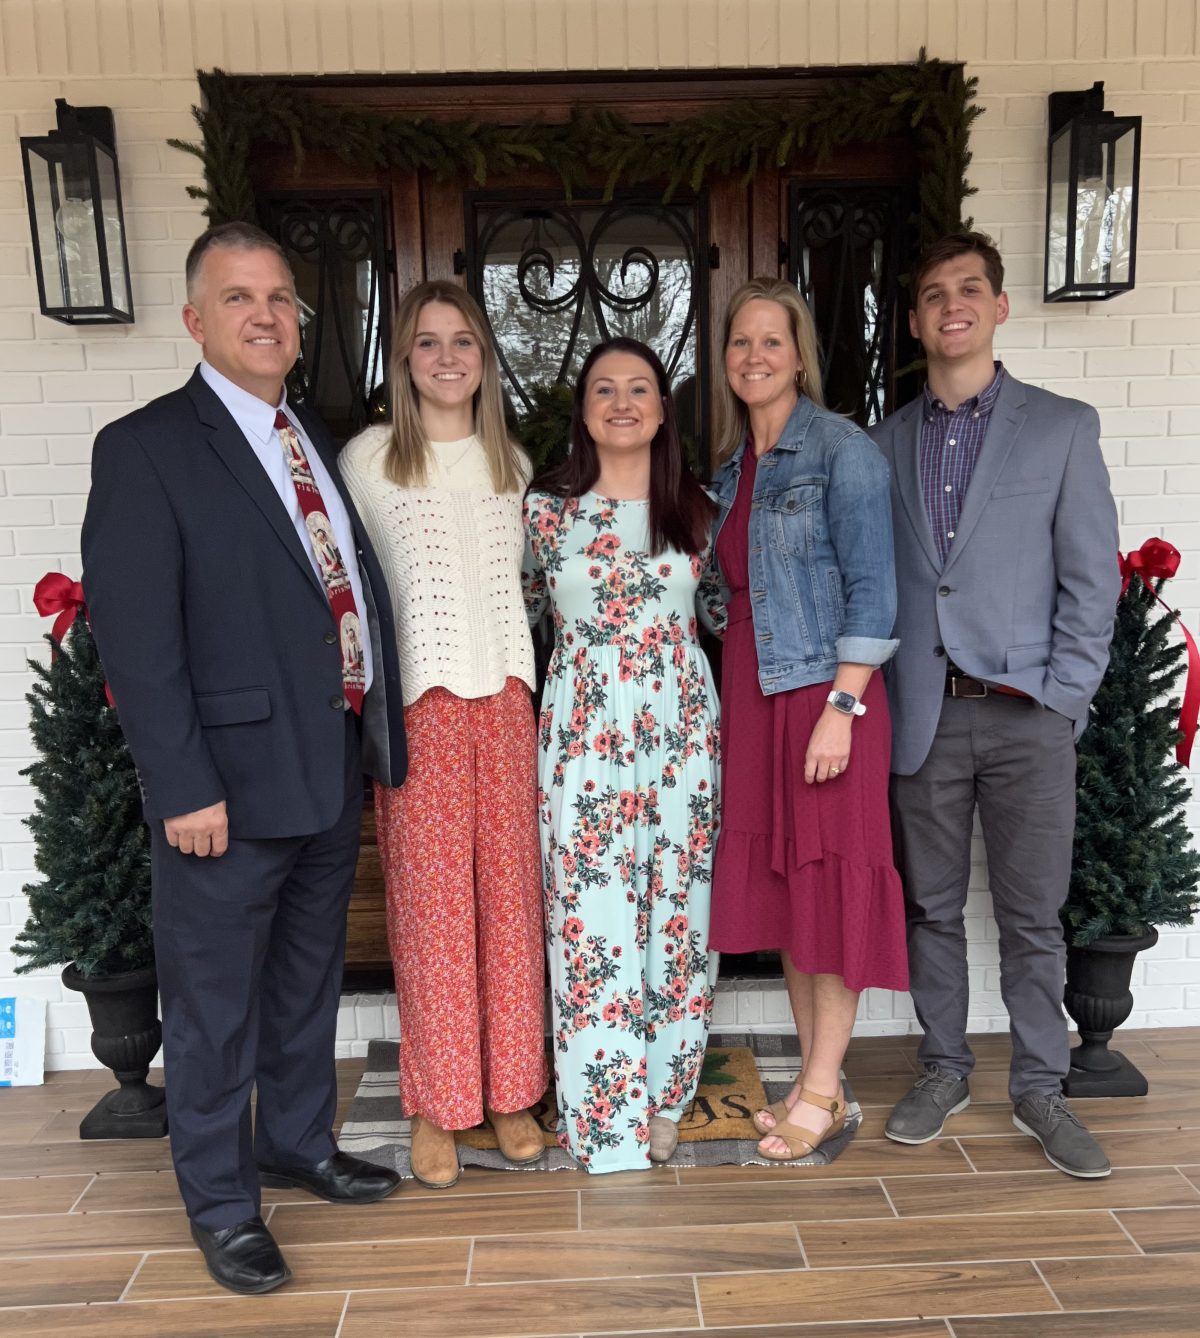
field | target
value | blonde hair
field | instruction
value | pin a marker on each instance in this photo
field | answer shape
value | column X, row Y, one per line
column 733, row 420
column 408, row 454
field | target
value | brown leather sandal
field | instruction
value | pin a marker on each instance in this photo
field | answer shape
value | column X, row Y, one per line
column 434, row 1154
column 779, row 1109
column 804, row 1142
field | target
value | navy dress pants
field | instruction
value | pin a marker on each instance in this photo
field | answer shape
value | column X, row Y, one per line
column 249, row 949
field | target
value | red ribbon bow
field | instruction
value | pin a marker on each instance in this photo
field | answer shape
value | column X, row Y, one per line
column 1158, row 560
column 56, row 593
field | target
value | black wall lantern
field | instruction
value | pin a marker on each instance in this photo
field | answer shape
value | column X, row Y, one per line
column 1091, row 198
column 74, row 197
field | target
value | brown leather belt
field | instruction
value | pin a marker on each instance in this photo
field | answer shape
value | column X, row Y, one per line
column 959, row 684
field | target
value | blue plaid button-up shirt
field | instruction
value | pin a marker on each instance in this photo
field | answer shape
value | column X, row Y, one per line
column 951, row 440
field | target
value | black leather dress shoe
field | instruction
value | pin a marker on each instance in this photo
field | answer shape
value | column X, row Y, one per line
column 243, row 1258
column 339, row 1179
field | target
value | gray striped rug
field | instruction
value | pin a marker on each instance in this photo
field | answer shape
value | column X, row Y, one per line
column 374, row 1127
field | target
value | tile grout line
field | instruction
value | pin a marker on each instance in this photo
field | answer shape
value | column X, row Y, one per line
column 68, row 1175
column 887, row 1196
column 966, row 1155
column 141, row 1263
column 470, row 1261
column 1112, row 1212
column 337, row 1333
column 1191, row 1184
column 696, row 1294
column 82, row 1192
column 800, row 1242
column 894, row 1266
column 579, row 1210
column 1046, row 1284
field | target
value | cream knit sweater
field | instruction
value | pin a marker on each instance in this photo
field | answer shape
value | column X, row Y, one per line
column 452, row 553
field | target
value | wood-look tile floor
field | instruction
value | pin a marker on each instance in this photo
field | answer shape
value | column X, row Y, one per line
column 970, row 1236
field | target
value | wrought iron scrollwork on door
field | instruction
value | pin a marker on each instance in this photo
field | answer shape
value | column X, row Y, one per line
column 555, row 278
column 337, row 248
column 847, row 245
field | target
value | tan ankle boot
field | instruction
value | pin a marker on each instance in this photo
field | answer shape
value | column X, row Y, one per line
column 434, row 1154
column 518, row 1134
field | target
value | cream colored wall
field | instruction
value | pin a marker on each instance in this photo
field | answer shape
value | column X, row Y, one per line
column 1137, row 358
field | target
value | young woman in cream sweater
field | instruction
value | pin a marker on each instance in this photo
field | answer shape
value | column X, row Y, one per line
column 440, row 490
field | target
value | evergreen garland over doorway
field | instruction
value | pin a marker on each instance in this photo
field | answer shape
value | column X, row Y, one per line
column 930, row 99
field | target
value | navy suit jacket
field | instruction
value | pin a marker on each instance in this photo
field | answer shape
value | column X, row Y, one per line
column 1028, row 591
column 214, row 630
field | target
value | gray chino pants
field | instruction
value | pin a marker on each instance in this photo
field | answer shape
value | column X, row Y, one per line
column 1016, row 761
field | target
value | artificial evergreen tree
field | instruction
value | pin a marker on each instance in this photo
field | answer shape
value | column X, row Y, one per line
column 92, row 907
column 1134, row 865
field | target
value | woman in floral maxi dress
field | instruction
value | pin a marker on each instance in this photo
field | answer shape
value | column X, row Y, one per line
column 628, row 763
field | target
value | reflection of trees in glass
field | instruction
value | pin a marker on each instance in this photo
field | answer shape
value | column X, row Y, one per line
column 1102, row 225
column 554, row 282
column 535, row 344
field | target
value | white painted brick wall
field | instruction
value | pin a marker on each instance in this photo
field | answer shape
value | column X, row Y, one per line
column 1137, row 358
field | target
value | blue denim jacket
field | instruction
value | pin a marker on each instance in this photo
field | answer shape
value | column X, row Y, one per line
column 822, row 568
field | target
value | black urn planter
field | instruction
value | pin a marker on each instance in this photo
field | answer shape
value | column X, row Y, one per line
column 126, row 1035
column 1098, row 1000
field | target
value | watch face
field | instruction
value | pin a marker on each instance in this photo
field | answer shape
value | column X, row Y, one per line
column 844, row 701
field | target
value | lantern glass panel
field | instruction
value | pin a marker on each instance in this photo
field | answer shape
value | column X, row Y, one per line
column 1060, row 189
column 1122, row 207
column 1104, row 203
column 45, row 181
column 75, row 223
column 110, row 222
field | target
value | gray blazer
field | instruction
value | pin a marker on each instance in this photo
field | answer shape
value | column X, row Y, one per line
column 1028, row 591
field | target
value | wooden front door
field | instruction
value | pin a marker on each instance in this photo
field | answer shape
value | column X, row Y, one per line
column 554, row 274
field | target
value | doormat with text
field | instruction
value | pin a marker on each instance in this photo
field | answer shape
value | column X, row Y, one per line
column 742, row 1072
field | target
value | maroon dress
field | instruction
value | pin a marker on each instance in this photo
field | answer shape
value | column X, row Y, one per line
column 803, row 868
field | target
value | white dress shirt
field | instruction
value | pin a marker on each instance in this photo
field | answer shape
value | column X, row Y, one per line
column 256, row 419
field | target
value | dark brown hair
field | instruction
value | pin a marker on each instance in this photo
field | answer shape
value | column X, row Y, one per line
column 950, row 248
column 233, row 237
column 680, row 510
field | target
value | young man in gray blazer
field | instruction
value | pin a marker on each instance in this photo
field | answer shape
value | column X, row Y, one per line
column 1006, row 567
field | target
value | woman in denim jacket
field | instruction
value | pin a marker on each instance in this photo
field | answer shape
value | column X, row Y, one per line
column 803, row 538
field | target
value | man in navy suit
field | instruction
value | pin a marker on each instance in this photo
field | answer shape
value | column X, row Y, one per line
column 221, row 648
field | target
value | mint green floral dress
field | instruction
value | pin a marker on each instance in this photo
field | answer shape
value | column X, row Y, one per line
column 627, row 798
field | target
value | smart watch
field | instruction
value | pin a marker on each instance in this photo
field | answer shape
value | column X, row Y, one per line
column 846, row 702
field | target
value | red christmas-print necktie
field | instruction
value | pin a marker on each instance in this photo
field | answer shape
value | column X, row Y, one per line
column 329, row 560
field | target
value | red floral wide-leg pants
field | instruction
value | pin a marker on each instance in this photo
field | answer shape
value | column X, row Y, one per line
column 462, row 867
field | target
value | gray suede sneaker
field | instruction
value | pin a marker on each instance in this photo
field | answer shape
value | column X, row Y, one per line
column 920, row 1114
column 1066, row 1143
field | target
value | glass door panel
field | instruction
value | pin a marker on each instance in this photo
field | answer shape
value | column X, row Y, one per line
column 336, row 244
column 847, row 244
column 555, row 278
